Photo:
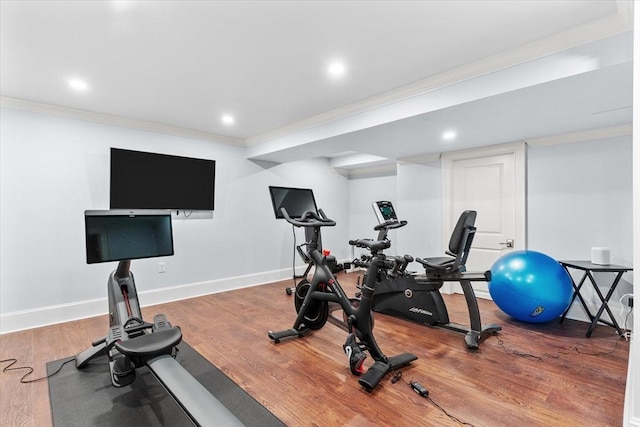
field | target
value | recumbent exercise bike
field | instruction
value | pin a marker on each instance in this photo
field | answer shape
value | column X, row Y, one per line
column 313, row 300
column 417, row 297
column 131, row 342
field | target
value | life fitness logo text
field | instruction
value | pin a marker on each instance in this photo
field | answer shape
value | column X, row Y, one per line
column 420, row 311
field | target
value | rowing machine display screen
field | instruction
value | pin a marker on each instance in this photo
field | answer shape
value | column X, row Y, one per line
column 124, row 235
column 295, row 200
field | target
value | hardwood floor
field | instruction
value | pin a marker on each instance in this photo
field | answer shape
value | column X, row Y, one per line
column 577, row 381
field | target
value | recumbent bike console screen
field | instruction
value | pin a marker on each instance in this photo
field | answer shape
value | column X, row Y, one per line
column 384, row 211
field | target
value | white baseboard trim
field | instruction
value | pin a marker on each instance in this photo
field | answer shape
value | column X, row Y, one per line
column 483, row 294
column 631, row 406
column 634, row 422
column 631, row 409
column 50, row 315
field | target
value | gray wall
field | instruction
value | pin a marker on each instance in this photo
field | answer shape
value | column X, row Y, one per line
column 420, row 203
column 52, row 169
column 579, row 196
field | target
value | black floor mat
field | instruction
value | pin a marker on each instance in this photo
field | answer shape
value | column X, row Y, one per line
column 87, row 398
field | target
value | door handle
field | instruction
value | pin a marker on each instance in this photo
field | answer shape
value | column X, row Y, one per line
column 508, row 243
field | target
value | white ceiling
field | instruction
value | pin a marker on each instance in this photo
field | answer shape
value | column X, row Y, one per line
column 495, row 71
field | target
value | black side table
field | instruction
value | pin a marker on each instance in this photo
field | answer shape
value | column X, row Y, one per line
column 588, row 269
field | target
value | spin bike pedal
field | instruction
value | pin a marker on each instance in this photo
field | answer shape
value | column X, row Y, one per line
column 354, row 354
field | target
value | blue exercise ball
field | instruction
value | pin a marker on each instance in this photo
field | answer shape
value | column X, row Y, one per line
column 530, row 286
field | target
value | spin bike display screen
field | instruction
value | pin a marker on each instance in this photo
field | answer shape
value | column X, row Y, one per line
column 295, row 200
column 117, row 235
column 384, row 211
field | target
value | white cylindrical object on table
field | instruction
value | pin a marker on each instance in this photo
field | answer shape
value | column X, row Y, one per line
column 600, row 256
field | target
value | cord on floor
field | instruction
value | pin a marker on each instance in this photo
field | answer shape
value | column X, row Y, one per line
column 29, row 370
column 397, row 376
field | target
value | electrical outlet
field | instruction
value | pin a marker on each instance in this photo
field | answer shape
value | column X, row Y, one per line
column 162, row 267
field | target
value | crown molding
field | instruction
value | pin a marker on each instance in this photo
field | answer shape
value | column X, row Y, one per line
column 71, row 113
column 422, row 159
column 582, row 136
column 369, row 172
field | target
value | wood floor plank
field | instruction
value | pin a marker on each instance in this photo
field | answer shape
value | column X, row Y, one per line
column 548, row 374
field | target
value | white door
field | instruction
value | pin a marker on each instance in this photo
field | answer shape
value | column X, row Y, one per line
column 490, row 181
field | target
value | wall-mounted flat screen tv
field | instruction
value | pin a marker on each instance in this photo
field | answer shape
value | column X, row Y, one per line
column 295, row 200
column 117, row 235
column 141, row 180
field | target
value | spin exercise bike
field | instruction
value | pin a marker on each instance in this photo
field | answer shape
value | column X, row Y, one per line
column 131, row 342
column 312, row 300
column 417, row 297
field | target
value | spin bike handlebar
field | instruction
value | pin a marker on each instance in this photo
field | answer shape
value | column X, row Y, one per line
column 390, row 225
column 373, row 245
column 309, row 219
column 397, row 264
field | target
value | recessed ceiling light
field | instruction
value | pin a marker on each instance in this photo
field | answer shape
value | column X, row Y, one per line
column 336, row 69
column 228, row 119
column 77, row 84
column 449, row 135
column 120, row 5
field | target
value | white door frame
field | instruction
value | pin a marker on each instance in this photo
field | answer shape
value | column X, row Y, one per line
column 518, row 149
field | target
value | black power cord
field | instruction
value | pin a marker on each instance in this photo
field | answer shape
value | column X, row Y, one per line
column 422, row 391
column 29, row 369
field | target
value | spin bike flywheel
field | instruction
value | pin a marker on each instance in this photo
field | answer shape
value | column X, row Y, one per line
column 317, row 312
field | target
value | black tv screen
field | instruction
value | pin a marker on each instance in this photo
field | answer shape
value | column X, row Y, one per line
column 124, row 235
column 141, row 180
column 295, row 200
